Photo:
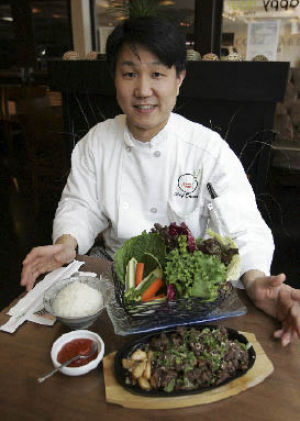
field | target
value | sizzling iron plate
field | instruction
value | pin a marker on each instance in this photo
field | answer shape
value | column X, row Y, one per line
column 131, row 346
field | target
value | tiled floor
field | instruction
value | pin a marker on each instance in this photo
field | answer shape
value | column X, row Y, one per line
column 21, row 230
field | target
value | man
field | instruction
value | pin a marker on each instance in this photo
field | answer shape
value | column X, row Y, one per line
column 151, row 165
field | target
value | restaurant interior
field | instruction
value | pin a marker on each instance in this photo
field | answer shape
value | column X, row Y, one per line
column 217, row 356
column 48, row 103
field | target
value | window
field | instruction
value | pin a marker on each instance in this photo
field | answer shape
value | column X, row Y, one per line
column 7, row 38
column 34, row 30
column 51, row 27
column 257, row 27
column 110, row 12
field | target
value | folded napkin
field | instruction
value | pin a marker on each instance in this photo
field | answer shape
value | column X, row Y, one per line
column 31, row 306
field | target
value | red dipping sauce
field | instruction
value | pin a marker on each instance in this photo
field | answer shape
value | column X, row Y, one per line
column 80, row 346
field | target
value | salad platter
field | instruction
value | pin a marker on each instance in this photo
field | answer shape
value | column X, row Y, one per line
column 167, row 278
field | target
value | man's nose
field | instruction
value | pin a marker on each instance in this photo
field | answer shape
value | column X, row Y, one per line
column 143, row 87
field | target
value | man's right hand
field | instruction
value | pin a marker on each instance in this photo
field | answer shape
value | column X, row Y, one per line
column 44, row 259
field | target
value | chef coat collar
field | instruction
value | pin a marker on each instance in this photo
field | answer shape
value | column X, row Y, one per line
column 157, row 140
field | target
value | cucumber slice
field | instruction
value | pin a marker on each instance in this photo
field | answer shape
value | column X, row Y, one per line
column 130, row 274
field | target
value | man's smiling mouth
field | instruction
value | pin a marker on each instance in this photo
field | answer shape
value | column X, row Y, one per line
column 145, row 107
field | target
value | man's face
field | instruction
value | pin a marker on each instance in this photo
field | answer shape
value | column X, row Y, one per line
column 146, row 91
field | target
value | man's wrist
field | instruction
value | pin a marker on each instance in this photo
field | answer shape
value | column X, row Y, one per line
column 249, row 277
column 69, row 240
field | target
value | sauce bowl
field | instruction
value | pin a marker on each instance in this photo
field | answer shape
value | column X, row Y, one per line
column 77, row 334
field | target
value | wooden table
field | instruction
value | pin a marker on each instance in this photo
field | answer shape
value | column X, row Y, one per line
column 25, row 355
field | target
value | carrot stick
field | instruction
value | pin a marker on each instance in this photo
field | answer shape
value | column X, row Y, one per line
column 155, row 297
column 152, row 289
column 139, row 272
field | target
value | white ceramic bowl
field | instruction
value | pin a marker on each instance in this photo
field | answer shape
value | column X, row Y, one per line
column 77, row 334
column 77, row 322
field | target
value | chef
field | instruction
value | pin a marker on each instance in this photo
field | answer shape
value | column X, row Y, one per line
column 152, row 165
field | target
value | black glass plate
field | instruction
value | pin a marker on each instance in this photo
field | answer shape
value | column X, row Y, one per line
column 140, row 343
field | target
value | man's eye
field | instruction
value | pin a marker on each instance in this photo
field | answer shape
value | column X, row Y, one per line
column 129, row 74
column 156, row 74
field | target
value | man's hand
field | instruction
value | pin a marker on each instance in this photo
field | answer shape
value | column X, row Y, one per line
column 274, row 297
column 47, row 258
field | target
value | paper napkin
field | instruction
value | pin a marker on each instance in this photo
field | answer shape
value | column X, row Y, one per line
column 31, row 304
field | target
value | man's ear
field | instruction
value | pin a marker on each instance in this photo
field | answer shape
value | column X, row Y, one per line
column 181, row 77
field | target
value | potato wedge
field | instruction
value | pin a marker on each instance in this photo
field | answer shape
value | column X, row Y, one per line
column 144, row 384
column 149, row 355
column 127, row 363
column 139, row 355
column 139, row 370
column 153, row 382
column 147, row 371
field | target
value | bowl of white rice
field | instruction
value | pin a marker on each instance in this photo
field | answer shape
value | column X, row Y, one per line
column 77, row 301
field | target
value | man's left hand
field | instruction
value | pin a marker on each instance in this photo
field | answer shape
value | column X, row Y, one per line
column 274, row 297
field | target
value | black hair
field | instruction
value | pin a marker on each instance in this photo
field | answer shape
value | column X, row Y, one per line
column 159, row 36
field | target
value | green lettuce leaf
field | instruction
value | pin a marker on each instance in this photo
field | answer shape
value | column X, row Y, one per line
column 225, row 241
column 234, row 268
column 194, row 274
column 147, row 247
column 151, row 262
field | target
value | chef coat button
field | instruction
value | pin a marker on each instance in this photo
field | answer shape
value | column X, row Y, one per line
column 153, row 210
column 125, row 205
column 157, row 154
column 128, row 148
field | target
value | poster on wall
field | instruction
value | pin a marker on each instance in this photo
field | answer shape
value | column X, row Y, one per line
column 262, row 38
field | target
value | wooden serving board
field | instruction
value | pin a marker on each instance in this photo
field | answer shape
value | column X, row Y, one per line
column 115, row 393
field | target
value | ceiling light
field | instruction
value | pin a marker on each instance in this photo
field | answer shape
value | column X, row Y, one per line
column 167, row 3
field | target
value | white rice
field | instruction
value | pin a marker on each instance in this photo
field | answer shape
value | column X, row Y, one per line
column 77, row 300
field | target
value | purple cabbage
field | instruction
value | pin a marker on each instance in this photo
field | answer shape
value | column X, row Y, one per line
column 171, row 293
column 182, row 229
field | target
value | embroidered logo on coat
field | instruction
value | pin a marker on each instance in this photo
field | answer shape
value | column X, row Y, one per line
column 188, row 184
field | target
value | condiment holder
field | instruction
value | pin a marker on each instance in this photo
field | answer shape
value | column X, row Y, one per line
column 68, row 337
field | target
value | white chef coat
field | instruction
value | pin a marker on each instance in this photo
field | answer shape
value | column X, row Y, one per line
column 121, row 186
